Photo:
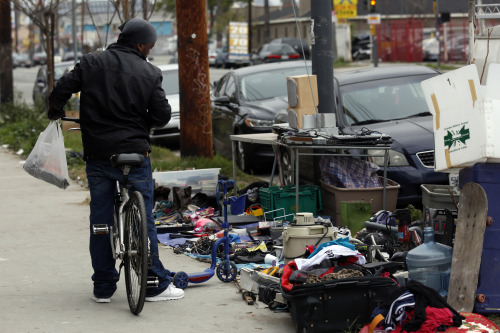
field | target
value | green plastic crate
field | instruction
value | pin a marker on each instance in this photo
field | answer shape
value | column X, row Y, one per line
column 275, row 197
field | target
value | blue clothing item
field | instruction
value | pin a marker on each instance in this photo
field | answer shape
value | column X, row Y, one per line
column 102, row 179
column 339, row 241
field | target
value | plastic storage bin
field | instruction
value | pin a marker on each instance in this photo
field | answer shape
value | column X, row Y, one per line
column 430, row 263
column 438, row 196
column 237, row 204
column 204, row 180
column 488, row 176
column 332, row 196
column 275, row 197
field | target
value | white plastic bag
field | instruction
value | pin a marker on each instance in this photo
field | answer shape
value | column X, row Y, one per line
column 47, row 160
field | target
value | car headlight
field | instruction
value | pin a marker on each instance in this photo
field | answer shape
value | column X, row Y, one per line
column 252, row 122
column 395, row 158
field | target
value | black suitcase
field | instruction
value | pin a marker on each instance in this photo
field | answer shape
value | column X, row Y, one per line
column 343, row 305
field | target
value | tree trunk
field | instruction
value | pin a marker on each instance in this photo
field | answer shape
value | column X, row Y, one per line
column 194, row 82
column 6, row 77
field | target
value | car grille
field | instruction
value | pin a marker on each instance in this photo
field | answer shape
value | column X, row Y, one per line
column 426, row 158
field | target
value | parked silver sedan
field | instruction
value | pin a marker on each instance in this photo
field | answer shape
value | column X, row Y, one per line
column 170, row 133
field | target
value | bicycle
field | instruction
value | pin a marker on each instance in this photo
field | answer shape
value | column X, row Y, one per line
column 129, row 234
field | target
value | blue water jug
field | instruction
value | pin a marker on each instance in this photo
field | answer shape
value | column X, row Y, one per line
column 430, row 263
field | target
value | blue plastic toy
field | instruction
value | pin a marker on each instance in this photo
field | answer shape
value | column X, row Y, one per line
column 226, row 271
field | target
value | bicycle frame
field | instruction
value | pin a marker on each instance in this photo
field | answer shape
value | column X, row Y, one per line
column 122, row 198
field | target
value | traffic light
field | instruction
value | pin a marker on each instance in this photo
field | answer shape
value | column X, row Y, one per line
column 444, row 17
column 373, row 6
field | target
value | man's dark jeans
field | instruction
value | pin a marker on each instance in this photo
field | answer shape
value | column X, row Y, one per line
column 102, row 179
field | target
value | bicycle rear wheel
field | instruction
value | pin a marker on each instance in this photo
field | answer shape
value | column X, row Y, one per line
column 136, row 252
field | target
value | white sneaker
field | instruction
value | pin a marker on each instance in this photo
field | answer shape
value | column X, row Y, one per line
column 100, row 300
column 168, row 294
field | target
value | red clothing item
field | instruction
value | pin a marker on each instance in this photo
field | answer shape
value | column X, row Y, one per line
column 434, row 318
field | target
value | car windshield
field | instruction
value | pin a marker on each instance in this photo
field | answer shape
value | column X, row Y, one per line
column 269, row 84
column 383, row 100
column 170, row 82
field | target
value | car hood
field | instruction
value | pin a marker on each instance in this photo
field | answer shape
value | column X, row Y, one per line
column 174, row 101
column 265, row 109
column 410, row 135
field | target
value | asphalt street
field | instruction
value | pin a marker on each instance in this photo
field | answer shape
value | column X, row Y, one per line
column 45, row 283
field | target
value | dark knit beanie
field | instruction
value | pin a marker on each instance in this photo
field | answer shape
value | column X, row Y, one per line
column 138, row 31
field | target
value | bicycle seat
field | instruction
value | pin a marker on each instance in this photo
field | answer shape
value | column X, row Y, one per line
column 127, row 159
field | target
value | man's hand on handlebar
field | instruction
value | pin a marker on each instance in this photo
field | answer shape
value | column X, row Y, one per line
column 54, row 115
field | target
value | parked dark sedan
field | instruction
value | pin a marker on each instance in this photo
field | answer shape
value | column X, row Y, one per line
column 299, row 45
column 388, row 100
column 246, row 101
column 274, row 53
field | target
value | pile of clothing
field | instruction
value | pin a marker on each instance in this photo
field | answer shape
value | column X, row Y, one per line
column 415, row 308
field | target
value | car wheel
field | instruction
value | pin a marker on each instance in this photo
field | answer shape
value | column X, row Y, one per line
column 287, row 166
column 242, row 157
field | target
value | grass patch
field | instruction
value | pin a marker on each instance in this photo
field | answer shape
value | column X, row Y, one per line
column 444, row 67
column 20, row 126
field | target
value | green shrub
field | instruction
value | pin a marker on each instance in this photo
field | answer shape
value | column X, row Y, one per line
column 20, row 126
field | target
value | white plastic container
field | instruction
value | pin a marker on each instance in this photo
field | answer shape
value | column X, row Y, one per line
column 296, row 238
column 204, row 180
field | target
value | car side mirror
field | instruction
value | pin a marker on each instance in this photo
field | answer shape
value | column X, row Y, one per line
column 40, row 83
column 222, row 100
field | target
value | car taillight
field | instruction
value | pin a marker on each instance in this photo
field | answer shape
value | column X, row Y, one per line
column 293, row 56
column 274, row 56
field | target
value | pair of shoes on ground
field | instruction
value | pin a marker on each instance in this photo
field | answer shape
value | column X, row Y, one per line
column 171, row 293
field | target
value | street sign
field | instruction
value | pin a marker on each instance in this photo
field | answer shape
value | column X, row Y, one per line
column 373, row 19
column 345, row 8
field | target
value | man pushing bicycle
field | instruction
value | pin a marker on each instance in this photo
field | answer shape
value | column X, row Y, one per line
column 121, row 99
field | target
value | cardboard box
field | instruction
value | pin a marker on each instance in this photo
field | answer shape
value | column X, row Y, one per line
column 66, row 125
column 299, row 91
column 465, row 118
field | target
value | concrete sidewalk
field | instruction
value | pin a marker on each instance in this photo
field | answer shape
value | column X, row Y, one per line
column 45, row 271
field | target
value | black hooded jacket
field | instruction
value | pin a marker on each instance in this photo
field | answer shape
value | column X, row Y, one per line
column 121, row 99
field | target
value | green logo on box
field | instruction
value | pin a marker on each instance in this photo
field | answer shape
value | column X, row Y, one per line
column 452, row 137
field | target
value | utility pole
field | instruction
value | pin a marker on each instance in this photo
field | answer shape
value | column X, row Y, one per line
column 250, row 26
column 322, row 53
column 194, row 82
column 6, row 77
column 436, row 12
column 73, row 31
column 16, row 30
column 267, row 33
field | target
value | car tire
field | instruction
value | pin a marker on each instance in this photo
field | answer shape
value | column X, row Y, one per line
column 287, row 166
column 242, row 157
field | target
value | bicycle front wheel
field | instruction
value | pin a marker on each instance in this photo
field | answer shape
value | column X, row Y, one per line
column 136, row 252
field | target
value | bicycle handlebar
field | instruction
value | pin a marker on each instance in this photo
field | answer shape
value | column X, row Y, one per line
column 75, row 120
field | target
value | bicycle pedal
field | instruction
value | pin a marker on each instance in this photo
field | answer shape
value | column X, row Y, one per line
column 100, row 229
column 153, row 282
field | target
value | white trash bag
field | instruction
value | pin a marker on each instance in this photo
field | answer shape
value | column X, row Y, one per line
column 47, row 160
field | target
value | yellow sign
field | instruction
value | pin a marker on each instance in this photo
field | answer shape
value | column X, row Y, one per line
column 345, row 8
